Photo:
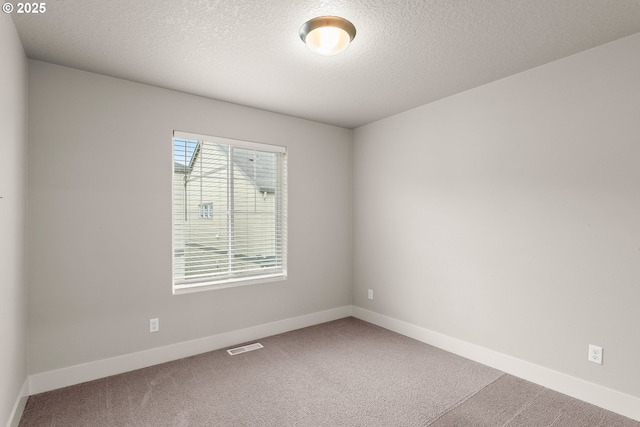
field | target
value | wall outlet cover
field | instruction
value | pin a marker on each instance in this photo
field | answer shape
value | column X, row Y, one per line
column 154, row 325
column 595, row 354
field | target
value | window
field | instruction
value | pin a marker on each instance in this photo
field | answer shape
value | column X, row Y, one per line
column 205, row 211
column 240, row 189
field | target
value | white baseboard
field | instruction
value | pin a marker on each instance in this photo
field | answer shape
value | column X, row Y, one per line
column 604, row 397
column 18, row 407
column 77, row 374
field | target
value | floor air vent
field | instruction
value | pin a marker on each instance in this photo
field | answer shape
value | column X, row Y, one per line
column 245, row 348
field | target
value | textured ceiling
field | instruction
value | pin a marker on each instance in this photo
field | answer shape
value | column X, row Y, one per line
column 406, row 52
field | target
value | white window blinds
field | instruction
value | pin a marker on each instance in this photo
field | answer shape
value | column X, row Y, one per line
column 229, row 211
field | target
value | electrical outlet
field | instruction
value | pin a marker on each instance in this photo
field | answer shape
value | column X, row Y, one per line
column 595, row 354
column 154, row 325
column 370, row 294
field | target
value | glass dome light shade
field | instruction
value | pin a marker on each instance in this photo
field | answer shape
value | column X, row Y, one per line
column 327, row 35
column 327, row 40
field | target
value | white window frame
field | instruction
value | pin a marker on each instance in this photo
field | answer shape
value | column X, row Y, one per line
column 185, row 286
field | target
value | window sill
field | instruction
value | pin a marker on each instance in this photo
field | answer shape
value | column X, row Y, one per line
column 188, row 289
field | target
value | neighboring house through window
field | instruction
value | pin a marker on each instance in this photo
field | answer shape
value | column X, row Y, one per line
column 240, row 189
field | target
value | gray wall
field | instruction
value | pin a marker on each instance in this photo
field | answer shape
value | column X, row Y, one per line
column 100, row 231
column 508, row 216
column 13, row 174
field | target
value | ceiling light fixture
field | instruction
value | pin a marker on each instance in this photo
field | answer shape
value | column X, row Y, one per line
column 327, row 35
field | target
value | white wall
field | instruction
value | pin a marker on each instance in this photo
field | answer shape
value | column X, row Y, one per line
column 508, row 216
column 13, row 174
column 100, row 233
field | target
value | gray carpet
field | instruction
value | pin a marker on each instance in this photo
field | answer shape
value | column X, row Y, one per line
column 341, row 373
